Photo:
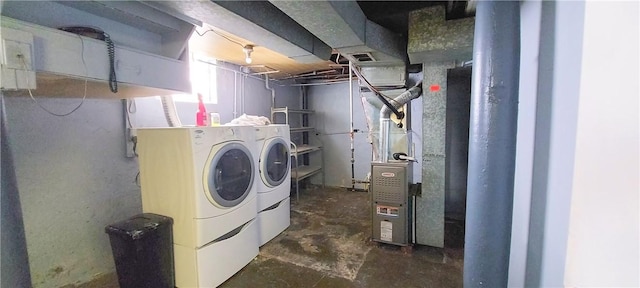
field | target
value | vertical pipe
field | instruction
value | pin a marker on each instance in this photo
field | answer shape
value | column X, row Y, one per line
column 353, row 169
column 235, row 94
column 273, row 91
column 385, row 129
column 492, row 142
column 242, row 94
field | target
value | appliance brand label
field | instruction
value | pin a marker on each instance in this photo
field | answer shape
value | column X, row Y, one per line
column 387, row 210
column 198, row 137
column 388, row 174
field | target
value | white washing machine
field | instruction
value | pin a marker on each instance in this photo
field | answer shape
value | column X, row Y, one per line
column 203, row 178
column 274, row 185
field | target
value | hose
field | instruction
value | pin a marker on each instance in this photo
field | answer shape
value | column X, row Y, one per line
column 111, row 51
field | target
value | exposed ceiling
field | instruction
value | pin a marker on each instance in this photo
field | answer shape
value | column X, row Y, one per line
column 394, row 15
column 221, row 45
column 224, row 46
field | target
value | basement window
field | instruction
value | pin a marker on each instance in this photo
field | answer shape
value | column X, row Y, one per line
column 203, row 80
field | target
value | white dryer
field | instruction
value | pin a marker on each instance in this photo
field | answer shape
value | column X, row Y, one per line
column 203, row 178
column 274, row 185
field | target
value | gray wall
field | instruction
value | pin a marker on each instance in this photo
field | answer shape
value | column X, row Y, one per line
column 530, row 12
column 74, row 180
column 575, row 220
column 331, row 118
column 251, row 98
column 554, row 144
column 605, row 202
column 14, row 265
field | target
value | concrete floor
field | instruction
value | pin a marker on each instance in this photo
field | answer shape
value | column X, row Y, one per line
column 327, row 245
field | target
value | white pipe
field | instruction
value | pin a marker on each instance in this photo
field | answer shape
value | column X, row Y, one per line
column 407, row 158
column 353, row 175
column 242, row 85
column 325, row 82
column 351, row 106
column 235, row 95
column 232, row 70
column 273, row 91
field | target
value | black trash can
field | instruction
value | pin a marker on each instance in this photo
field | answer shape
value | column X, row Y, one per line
column 143, row 251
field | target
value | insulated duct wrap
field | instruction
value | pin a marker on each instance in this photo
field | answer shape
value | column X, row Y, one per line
column 385, row 121
column 372, row 105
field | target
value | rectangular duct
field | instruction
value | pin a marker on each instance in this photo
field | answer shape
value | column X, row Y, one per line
column 344, row 27
column 259, row 21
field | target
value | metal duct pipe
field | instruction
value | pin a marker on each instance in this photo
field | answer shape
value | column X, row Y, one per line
column 385, row 121
column 375, row 91
column 492, row 144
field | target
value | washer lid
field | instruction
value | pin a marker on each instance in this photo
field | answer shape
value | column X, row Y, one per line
column 229, row 174
column 274, row 162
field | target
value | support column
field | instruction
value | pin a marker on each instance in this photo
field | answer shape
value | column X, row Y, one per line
column 430, row 207
column 437, row 43
column 492, row 142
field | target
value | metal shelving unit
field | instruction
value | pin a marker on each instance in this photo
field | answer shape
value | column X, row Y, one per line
column 301, row 151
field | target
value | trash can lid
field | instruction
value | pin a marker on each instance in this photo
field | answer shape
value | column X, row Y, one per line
column 137, row 226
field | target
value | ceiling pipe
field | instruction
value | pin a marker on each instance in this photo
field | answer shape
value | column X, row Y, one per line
column 273, row 91
column 492, row 144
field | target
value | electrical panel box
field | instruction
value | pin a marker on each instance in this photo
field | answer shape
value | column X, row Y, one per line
column 16, row 60
column 391, row 203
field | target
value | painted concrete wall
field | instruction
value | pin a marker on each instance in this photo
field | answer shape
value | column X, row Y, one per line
column 576, row 219
column 331, row 118
column 530, row 12
column 331, row 103
column 251, row 98
column 554, row 142
column 603, row 243
column 74, row 180
column 14, row 263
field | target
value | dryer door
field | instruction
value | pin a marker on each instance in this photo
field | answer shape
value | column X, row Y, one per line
column 274, row 162
column 230, row 175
